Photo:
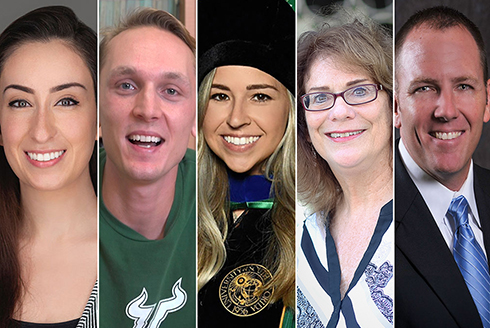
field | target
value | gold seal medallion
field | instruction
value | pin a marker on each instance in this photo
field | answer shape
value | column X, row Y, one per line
column 241, row 291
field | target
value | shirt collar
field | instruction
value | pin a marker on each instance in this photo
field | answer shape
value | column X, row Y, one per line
column 436, row 195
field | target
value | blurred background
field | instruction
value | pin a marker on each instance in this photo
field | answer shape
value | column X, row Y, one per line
column 85, row 10
column 313, row 13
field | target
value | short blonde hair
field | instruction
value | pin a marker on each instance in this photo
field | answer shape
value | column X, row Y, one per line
column 147, row 17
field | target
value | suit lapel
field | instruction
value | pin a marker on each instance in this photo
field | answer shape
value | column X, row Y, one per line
column 482, row 194
column 419, row 239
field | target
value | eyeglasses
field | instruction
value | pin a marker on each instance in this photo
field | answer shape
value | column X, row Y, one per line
column 358, row 95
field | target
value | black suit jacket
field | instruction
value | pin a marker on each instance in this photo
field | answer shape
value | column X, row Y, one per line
column 429, row 288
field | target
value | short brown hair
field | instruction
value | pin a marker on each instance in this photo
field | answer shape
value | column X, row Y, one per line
column 441, row 18
column 147, row 17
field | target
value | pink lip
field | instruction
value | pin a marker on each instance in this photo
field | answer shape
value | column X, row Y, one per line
column 46, row 163
column 344, row 139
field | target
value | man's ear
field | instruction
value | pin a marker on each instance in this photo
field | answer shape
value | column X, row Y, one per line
column 1, row 137
column 486, row 114
column 193, row 130
column 398, row 122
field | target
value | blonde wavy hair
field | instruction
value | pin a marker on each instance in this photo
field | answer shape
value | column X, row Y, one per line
column 213, row 207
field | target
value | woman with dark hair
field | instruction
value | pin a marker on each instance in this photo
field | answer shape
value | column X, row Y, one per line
column 48, row 205
column 345, row 176
column 246, row 152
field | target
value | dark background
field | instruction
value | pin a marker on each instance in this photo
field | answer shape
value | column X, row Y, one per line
column 86, row 10
column 479, row 12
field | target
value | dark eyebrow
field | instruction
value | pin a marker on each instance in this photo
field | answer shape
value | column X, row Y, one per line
column 422, row 80
column 261, row 86
column 53, row 89
column 66, row 86
column 19, row 87
column 464, row 79
column 220, row 86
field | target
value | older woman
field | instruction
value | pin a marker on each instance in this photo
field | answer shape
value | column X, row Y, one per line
column 48, row 205
column 345, row 264
column 246, row 163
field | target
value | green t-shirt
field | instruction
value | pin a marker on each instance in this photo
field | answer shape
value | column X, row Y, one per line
column 151, row 283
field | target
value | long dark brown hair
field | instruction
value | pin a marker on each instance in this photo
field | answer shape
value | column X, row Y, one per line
column 40, row 25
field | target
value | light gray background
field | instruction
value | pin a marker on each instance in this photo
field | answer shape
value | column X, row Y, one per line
column 86, row 10
column 479, row 12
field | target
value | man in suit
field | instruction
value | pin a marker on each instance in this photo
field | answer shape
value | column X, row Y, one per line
column 441, row 102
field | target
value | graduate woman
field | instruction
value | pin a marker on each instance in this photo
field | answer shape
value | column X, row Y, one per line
column 246, row 163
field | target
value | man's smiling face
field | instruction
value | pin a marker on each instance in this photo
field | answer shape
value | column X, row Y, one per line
column 147, row 102
column 441, row 101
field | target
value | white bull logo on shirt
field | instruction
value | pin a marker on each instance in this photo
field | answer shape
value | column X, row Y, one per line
column 151, row 316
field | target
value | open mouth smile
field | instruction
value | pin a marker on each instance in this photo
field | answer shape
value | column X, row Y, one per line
column 241, row 141
column 45, row 157
column 446, row 135
column 335, row 135
column 144, row 141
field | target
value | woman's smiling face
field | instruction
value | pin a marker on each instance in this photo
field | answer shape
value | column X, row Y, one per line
column 47, row 115
column 246, row 117
column 348, row 136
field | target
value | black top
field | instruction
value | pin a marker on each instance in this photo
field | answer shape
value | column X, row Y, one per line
column 236, row 287
column 66, row 324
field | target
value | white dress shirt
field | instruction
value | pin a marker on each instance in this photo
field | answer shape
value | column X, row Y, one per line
column 438, row 198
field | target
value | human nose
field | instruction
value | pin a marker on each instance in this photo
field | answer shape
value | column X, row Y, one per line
column 44, row 125
column 446, row 109
column 238, row 116
column 341, row 110
column 146, row 106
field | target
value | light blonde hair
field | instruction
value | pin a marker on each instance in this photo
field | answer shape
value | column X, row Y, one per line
column 213, row 207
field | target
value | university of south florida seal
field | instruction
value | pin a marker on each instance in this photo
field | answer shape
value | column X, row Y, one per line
column 241, row 291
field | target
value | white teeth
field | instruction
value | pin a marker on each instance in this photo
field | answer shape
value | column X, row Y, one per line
column 240, row 141
column 46, row 156
column 447, row 135
column 142, row 138
column 344, row 135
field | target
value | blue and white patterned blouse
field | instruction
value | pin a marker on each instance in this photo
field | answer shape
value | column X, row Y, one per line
column 369, row 299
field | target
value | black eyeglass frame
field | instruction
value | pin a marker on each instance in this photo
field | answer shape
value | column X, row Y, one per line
column 379, row 87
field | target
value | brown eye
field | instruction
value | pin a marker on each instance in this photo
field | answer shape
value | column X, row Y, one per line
column 220, row 97
column 261, row 97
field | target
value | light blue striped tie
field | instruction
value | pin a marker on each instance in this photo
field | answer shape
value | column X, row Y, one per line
column 470, row 259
